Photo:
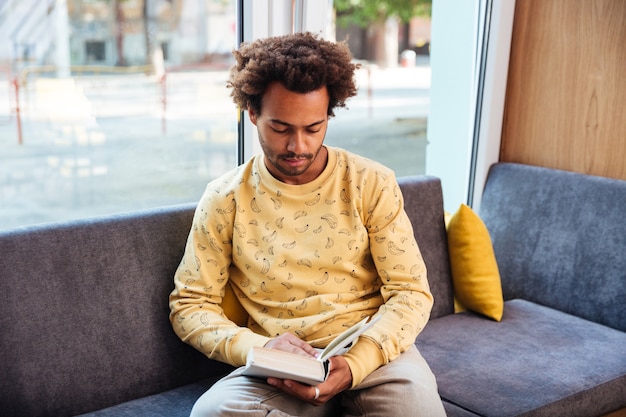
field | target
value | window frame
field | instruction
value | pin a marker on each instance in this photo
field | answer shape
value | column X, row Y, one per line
column 469, row 63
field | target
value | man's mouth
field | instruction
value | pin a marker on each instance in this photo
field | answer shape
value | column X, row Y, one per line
column 295, row 161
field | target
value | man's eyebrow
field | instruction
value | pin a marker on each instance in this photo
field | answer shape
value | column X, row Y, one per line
column 280, row 122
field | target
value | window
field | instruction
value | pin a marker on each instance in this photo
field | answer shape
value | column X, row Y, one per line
column 94, row 51
column 119, row 105
column 387, row 120
column 122, row 105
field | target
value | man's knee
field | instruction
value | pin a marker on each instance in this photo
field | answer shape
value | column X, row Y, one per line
column 404, row 387
column 225, row 398
column 397, row 397
column 208, row 405
column 426, row 399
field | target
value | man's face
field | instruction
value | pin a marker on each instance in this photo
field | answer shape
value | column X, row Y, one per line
column 291, row 130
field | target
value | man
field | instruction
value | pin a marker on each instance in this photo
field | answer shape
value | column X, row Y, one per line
column 312, row 239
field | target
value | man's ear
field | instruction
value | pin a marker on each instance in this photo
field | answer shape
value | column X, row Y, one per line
column 252, row 115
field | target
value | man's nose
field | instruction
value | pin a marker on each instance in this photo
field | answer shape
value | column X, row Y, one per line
column 296, row 143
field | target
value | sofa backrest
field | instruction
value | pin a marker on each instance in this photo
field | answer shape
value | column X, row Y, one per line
column 84, row 313
column 84, row 316
column 423, row 202
column 559, row 239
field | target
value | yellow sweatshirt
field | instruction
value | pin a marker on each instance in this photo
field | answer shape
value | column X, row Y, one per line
column 309, row 259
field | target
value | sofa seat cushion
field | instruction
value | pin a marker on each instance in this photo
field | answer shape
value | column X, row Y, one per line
column 536, row 362
column 173, row 403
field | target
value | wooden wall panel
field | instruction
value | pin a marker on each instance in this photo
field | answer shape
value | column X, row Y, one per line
column 566, row 92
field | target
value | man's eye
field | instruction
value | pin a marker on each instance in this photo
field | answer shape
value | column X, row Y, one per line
column 279, row 130
column 314, row 131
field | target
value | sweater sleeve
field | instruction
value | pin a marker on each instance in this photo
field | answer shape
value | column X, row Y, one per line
column 407, row 300
column 196, row 313
column 364, row 358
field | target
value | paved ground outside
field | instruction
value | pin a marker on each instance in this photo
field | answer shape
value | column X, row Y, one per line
column 105, row 144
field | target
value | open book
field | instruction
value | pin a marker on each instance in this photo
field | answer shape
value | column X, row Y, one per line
column 266, row 362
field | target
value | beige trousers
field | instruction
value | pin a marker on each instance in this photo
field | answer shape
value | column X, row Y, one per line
column 403, row 387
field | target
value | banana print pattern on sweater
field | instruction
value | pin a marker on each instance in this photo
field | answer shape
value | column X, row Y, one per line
column 311, row 259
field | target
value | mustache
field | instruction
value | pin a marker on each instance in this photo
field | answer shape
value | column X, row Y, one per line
column 292, row 155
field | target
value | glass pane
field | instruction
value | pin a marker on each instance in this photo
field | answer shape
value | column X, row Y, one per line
column 122, row 105
column 386, row 121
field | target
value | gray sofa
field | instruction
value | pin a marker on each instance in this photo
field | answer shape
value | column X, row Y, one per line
column 84, row 323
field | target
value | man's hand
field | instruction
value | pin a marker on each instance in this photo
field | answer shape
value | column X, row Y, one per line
column 339, row 379
column 288, row 342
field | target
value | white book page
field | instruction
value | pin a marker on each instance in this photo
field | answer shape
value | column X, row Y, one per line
column 347, row 337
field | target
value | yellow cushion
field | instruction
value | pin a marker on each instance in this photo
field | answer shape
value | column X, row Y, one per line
column 475, row 274
column 233, row 309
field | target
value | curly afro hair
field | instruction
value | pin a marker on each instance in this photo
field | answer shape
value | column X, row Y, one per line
column 301, row 62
